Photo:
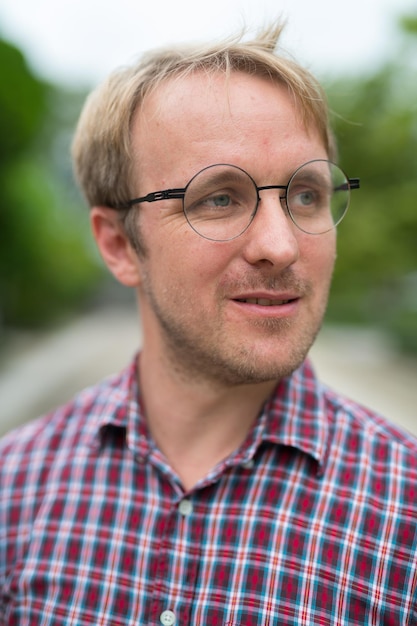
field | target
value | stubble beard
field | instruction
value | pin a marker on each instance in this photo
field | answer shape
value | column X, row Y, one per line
column 194, row 355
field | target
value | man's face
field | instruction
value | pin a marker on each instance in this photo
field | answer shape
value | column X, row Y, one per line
column 244, row 311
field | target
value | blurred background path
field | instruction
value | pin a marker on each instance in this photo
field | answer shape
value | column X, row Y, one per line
column 43, row 371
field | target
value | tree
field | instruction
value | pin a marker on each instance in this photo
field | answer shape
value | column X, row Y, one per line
column 376, row 126
column 46, row 261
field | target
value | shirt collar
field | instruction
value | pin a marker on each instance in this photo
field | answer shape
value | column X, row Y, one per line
column 294, row 416
column 114, row 405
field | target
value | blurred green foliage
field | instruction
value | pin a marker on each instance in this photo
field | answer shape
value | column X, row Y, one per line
column 375, row 120
column 47, row 263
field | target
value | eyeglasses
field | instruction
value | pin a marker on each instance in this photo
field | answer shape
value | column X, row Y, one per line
column 221, row 201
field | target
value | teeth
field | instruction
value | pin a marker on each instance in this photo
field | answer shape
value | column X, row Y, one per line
column 264, row 301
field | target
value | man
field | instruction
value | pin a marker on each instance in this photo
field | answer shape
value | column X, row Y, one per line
column 215, row 481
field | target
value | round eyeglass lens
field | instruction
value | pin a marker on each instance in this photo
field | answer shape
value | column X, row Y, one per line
column 318, row 196
column 220, row 202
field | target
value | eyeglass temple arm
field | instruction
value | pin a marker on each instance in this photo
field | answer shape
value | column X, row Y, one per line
column 154, row 196
column 352, row 183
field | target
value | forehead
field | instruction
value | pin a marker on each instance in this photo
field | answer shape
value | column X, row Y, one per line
column 204, row 93
column 201, row 119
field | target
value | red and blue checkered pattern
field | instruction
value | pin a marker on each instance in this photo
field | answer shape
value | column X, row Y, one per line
column 312, row 521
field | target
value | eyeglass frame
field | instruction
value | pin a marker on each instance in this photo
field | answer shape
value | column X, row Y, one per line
column 180, row 192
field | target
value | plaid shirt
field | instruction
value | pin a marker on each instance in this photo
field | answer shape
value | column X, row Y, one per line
column 312, row 521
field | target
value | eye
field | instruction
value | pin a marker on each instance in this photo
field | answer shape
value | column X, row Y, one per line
column 219, row 200
column 216, row 203
column 305, row 198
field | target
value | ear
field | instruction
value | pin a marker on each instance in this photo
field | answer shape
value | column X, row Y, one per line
column 114, row 245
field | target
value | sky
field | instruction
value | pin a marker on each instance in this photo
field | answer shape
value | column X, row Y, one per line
column 78, row 42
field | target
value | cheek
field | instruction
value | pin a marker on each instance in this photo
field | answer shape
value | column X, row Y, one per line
column 179, row 259
column 320, row 256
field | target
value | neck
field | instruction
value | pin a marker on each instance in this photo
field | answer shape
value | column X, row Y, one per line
column 196, row 423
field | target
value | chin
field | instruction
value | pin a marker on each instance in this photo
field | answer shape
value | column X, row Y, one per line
column 275, row 360
column 252, row 369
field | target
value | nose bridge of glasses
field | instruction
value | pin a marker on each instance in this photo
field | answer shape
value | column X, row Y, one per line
column 264, row 187
column 270, row 187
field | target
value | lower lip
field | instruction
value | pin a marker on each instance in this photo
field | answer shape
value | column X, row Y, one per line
column 274, row 311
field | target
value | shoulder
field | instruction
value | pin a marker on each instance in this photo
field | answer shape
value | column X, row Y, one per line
column 363, row 419
column 370, row 443
column 67, row 428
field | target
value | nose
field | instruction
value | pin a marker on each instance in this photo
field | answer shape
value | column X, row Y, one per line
column 272, row 237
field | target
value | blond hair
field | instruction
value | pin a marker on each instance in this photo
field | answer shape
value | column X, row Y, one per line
column 102, row 143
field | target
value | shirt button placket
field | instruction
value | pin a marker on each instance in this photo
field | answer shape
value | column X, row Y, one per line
column 168, row 617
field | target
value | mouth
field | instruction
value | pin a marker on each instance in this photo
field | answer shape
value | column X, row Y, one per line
column 264, row 301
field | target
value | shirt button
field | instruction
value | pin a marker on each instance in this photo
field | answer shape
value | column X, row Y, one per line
column 185, row 507
column 249, row 464
column 167, row 618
